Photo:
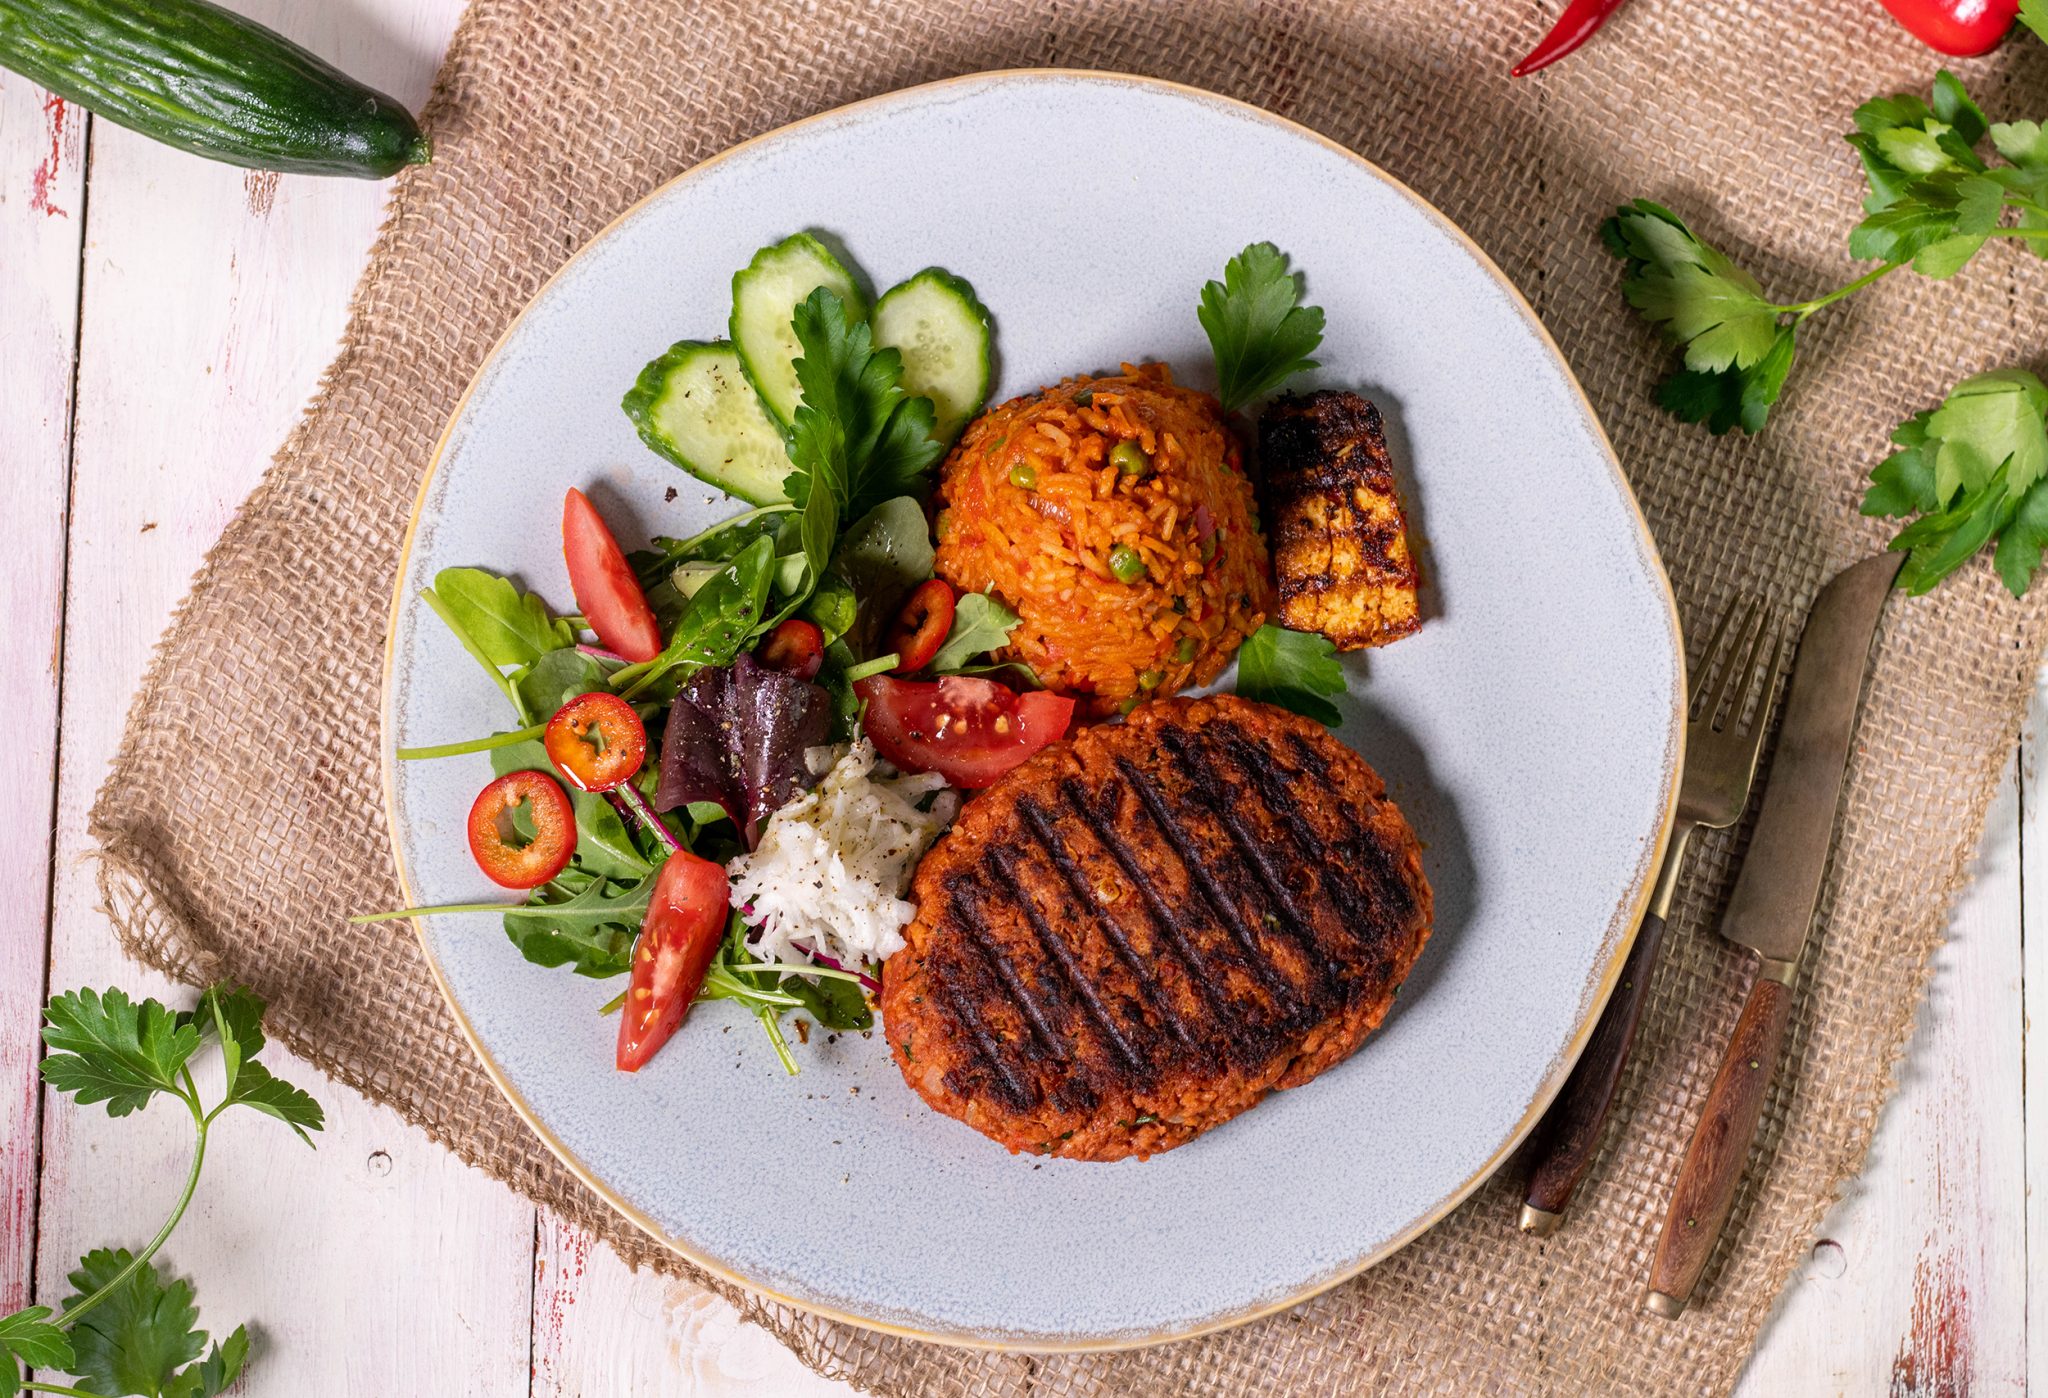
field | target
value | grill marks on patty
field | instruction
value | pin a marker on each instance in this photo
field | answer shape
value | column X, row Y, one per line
column 1183, row 909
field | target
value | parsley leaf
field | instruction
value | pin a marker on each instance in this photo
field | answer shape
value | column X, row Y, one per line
column 113, row 1050
column 1973, row 470
column 2034, row 14
column 857, row 434
column 27, row 1337
column 1293, row 669
column 1258, row 329
column 1737, row 353
column 275, row 1097
column 139, row 1336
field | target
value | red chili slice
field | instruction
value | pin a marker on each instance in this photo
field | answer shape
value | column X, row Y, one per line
column 684, row 924
column 795, row 647
column 606, row 589
column 596, row 741
column 506, row 859
column 920, row 628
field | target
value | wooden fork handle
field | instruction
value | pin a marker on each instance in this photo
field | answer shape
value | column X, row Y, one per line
column 1715, row 1160
column 1569, row 1135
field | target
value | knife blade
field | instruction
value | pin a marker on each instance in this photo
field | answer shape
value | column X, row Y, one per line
column 1771, row 912
column 1771, row 908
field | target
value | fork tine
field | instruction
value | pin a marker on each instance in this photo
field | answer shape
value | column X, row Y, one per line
column 1741, row 677
column 1706, row 670
column 1767, row 687
column 1736, row 658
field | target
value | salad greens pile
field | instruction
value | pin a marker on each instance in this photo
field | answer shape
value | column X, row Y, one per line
column 1936, row 198
column 127, row 1328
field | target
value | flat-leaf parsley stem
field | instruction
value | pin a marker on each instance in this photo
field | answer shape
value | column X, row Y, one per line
column 1803, row 309
column 190, row 1095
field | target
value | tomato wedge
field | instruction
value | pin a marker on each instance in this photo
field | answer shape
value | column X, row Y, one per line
column 606, row 590
column 920, row 628
column 685, row 922
column 970, row 731
column 795, row 647
column 527, row 863
column 596, row 741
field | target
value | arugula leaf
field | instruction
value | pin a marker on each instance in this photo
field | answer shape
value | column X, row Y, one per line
column 496, row 622
column 857, row 435
column 107, row 1048
column 137, row 1337
column 1972, row 470
column 832, row 607
column 1258, row 329
column 592, row 931
column 721, row 617
column 980, row 624
column 1294, row 669
column 27, row 1337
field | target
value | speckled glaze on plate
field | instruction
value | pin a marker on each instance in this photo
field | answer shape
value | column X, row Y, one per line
column 1531, row 732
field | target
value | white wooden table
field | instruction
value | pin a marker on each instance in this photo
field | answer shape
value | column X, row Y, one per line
column 162, row 322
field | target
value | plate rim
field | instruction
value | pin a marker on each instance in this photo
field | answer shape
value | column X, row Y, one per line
column 1629, row 913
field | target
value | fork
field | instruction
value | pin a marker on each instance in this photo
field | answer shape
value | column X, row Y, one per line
column 1724, row 733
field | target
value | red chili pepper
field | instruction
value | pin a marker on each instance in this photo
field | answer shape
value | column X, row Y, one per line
column 1579, row 22
column 1959, row 28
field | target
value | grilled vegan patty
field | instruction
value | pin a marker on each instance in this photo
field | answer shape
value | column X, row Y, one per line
column 1137, row 934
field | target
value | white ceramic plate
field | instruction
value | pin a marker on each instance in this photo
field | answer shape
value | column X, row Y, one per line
column 1531, row 732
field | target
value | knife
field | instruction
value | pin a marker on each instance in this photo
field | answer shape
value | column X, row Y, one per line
column 1771, row 912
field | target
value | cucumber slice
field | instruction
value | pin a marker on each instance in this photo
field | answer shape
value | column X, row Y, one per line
column 765, row 295
column 941, row 330
column 694, row 406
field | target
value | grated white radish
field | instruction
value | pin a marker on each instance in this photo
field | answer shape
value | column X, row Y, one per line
column 833, row 865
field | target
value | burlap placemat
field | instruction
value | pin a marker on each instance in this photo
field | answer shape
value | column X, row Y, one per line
column 549, row 118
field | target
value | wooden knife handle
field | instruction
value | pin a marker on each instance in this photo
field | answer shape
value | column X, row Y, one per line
column 1569, row 1135
column 1720, row 1147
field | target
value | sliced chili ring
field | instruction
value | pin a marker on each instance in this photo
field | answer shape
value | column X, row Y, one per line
column 921, row 627
column 795, row 647
column 506, row 858
column 596, row 741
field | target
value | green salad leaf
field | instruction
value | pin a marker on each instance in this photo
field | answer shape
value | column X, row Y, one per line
column 881, row 557
column 501, row 626
column 1258, row 329
column 592, row 931
column 980, row 624
column 1295, row 669
column 552, row 681
column 1972, row 471
column 719, row 620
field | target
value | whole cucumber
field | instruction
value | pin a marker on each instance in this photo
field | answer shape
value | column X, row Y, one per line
column 198, row 77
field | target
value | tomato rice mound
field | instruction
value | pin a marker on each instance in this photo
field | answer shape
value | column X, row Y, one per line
column 1133, row 576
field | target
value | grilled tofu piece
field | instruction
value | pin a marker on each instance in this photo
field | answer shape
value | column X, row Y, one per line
column 1138, row 934
column 1340, row 543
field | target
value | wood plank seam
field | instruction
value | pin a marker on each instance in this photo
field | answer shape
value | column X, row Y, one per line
column 58, row 645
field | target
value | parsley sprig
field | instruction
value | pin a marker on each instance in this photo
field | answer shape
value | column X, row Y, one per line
column 1971, row 472
column 1297, row 670
column 126, row 1329
column 1935, row 200
column 1258, row 329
